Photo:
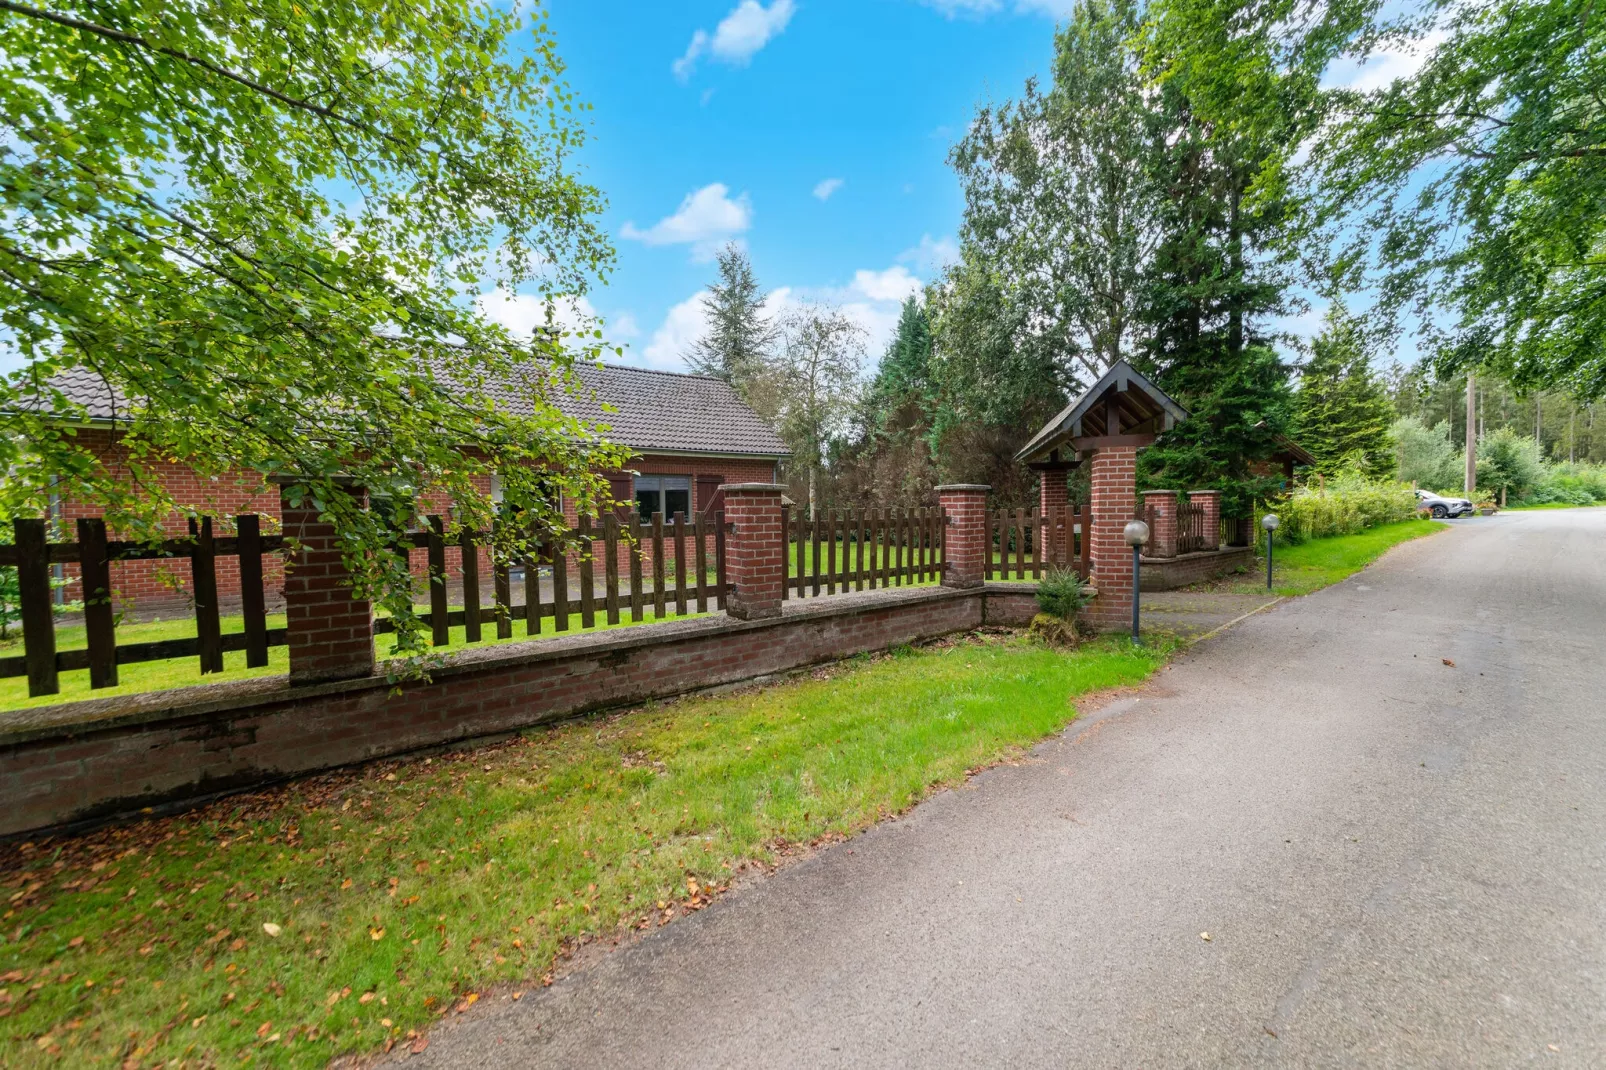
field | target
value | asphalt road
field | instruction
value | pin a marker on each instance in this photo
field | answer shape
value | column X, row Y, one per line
column 1398, row 863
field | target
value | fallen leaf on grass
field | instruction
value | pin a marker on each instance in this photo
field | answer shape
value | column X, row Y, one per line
column 262, row 1030
column 271, row 928
column 417, row 1046
column 77, row 941
column 376, row 934
column 366, row 997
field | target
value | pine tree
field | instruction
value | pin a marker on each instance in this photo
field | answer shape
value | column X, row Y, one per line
column 1342, row 411
column 1212, row 285
column 737, row 344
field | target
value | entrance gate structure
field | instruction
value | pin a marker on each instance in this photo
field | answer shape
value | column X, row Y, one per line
column 1117, row 416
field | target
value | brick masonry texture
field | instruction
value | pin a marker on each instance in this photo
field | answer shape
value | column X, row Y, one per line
column 97, row 759
column 1192, row 568
column 1210, row 502
column 967, row 542
column 1162, row 506
column 1114, row 479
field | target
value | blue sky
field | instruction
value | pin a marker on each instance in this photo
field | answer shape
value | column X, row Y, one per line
column 813, row 131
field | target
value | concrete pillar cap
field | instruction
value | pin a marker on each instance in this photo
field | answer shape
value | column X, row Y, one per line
column 964, row 486
column 1173, row 493
column 752, row 488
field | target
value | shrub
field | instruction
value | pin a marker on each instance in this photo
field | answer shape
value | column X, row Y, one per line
column 1061, row 593
column 1510, row 462
column 1425, row 455
column 1571, row 483
column 1348, row 504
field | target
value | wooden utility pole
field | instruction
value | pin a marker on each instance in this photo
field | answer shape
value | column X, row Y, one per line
column 1472, row 434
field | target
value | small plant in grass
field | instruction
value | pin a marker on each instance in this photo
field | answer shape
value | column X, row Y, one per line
column 1060, row 595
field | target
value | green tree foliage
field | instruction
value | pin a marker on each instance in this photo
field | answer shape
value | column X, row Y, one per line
column 1342, row 410
column 1059, row 208
column 1214, row 283
column 737, row 345
column 1509, row 464
column 1474, row 187
column 819, row 358
column 264, row 225
column 891, row 458
column 1425, row 455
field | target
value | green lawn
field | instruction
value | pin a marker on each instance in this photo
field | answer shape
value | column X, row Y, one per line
column 1315, row 564
column 402, row 890
column 1552, row 505
column 182, row 672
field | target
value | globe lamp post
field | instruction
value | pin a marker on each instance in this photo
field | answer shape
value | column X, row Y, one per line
column 1136, row 534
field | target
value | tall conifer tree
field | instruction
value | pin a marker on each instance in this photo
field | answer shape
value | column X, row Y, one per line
column 1343, row 410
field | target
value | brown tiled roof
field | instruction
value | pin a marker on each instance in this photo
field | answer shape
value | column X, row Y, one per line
column 653, row 410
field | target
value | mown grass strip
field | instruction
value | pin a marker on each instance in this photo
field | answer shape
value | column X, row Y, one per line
column 1318, row 563
column 400, row 891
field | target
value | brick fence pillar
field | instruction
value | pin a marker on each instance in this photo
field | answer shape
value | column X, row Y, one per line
column 1115, row 483
column 330, row 633
column 754, row 549
column 1162, row 505
column 1209, row 501
column 1053, row 501
column 966, row 543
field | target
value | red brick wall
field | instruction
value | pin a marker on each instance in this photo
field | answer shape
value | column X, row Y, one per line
column 230, row 736
column 1193, row 568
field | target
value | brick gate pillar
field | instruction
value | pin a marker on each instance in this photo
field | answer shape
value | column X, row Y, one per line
column 1162, row 505
column 966, row 543
column 329, row 632
column 1053, row 501
column 1209, row 502
column 754, row 549
column 1115, row 484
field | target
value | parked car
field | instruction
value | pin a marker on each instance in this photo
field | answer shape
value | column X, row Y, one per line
column 1440, row 508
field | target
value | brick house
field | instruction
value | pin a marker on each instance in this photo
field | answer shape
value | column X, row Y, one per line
column 690, row 434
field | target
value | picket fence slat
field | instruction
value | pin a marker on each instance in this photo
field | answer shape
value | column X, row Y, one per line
column 100, row 622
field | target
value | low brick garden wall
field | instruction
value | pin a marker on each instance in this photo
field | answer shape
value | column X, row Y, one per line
column 1169, row 573
column 94, row 760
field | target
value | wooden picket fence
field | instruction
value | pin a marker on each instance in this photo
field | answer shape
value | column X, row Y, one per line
column 691, row 586
column 1190, row 527
column 1025, row 543
column 859, row 550
column 33, row 555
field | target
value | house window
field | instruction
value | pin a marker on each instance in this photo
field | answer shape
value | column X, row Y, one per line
column 666, row 494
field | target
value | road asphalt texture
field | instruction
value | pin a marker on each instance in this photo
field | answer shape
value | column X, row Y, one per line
column 1362, row 828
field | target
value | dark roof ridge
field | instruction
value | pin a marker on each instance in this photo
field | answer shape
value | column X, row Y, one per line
column 651, row 371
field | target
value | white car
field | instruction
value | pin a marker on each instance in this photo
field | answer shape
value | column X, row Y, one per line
column 1440, row 508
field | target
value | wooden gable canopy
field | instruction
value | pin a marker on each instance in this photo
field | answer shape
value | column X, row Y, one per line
column 1122, row 409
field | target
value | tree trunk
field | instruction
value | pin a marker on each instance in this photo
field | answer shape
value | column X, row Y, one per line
column 811, row 494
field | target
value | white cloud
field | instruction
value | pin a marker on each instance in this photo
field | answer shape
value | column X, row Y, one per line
column 826, row 187
column 893, row 284
column 1382, row 68
column 976, row 8
column 931, row 255
column 749, row 27
column 521, row 314
column 684, row 324
column 705, row 219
